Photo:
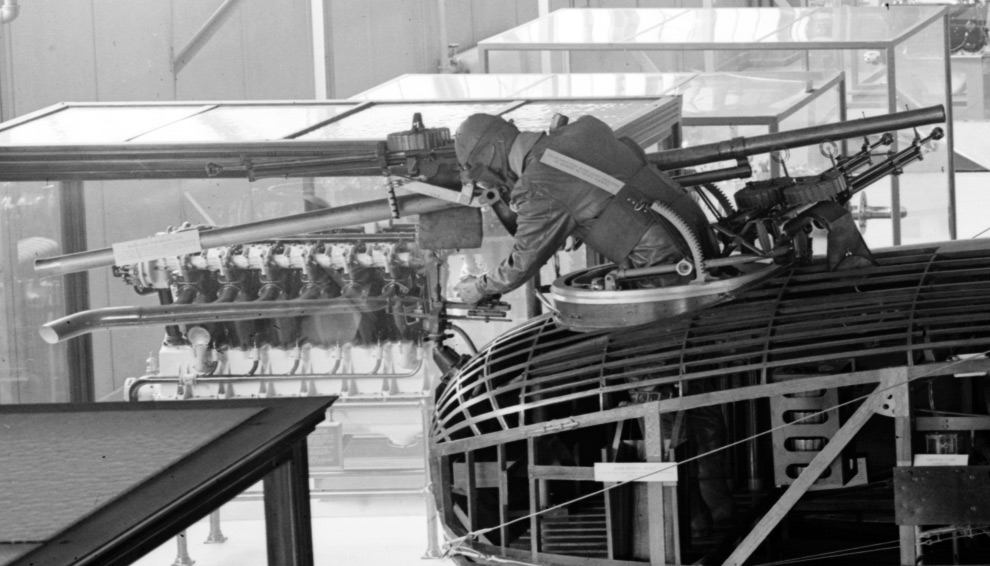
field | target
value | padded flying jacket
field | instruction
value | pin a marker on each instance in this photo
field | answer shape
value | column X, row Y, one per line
column 552, row 204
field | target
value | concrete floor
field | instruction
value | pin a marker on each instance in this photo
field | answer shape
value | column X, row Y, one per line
column 367, row 532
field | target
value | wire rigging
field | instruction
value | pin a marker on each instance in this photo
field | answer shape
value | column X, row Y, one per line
column 454, row 545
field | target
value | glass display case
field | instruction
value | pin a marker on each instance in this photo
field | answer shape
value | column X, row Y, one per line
column 80, row 177
column 83, row 183
column 894, row 57
column 714, row 107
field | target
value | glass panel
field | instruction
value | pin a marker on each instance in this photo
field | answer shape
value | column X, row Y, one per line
column 866, row 76
column 972, row 201
column 738, row 96
column 722, row 25
column 245, row 123
column 524, row 86
column 31, row 371
column 878, row 228
column 823, row 109
column 603, row 26
column 122, row 353
column 536, row 116
column 452, row 87
column 84, row 125
column 924, row 186
column 380, row 120
column 855, row 25
column 701, row 135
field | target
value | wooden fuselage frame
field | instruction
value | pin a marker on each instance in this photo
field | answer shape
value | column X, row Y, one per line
column 922, row 312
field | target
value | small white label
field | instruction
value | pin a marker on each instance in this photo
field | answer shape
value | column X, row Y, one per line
column 157, row 247
column 584, row 172
column 636, row 471
column 463, row 197
column 467, row 193
column 941, row 459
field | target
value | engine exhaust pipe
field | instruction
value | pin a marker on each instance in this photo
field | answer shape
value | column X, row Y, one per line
column 85, row 322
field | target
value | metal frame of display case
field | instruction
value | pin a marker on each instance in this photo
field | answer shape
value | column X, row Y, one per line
column 86, row 152
column 514, row 86
column 619, row 38
column 630, row 30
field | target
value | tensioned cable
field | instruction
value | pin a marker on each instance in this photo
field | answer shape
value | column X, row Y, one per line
column 865, row 549
column 852, row 551
column 454, row 544
column 928, row 540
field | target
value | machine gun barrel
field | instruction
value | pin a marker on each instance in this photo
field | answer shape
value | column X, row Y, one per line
column 314, row 221
column 864, row 157
column 738, row 148
column 893, row 163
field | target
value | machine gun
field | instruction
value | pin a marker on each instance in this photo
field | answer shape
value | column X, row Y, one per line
column 771, row 227
column 778, row 207
column 777, row 213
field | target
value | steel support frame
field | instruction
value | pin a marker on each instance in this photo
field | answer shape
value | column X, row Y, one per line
column 432, row 533
column 895, row 182
column 75, row 291
column 203, row 35
column 287, row 513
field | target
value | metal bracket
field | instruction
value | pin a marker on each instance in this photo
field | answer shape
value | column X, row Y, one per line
column 846, row 247
column 887, row 406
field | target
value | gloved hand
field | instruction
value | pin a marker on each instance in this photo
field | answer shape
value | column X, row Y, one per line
column 469, row 290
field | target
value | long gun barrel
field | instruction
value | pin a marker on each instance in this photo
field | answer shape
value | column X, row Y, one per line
column 740, row 148
column 314, row 221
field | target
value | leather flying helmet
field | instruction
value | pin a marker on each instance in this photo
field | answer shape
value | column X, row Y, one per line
column 482, row 144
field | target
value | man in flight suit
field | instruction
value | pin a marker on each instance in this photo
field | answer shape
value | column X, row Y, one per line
column 552, row 204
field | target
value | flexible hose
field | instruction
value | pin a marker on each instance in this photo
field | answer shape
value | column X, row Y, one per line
column 112, row 317
column 465, row 338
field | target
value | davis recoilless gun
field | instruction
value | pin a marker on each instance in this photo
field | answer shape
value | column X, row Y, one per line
column 770, row 225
